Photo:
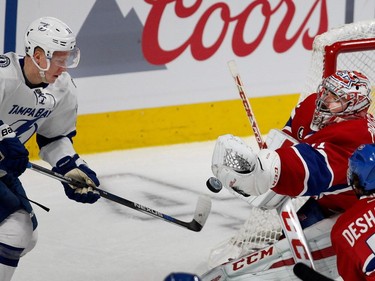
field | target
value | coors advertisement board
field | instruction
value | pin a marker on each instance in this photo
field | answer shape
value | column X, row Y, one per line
column 140, row 54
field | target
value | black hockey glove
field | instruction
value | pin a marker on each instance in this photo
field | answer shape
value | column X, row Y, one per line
column 14, row 157
column 75, row 168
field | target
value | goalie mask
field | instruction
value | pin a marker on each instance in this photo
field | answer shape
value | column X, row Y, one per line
column 361, row 171
column 342, row 96
column 52, row 35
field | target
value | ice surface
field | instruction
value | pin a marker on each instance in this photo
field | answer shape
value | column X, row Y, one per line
column 108, row 241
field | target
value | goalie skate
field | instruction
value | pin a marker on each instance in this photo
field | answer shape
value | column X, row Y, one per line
column 275, row 262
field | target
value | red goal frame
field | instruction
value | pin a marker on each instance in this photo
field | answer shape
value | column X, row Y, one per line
column 334, row 50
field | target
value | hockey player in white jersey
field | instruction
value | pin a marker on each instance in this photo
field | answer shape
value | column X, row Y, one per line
column 37, row 96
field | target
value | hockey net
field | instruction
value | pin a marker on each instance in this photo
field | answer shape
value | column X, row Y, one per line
column 350, row 47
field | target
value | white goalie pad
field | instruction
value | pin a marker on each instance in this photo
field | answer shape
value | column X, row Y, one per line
column 275, row 262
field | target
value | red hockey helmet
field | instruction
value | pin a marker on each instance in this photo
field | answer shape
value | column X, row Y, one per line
column 342, row 96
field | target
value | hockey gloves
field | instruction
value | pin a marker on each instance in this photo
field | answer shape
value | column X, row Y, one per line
column 14, row 157
column 75, row 168
column 236, row 165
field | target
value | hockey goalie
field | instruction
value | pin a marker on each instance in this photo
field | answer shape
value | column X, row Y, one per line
column 327, row 126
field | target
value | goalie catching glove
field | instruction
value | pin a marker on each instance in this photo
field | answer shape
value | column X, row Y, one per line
column 236, row 165
column 75, row 168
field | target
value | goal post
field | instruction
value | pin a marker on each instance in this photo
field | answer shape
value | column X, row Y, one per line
column 333, row 51
column 350, row 47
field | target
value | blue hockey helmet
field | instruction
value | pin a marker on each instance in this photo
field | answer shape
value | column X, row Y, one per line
column 182, row 276
column 361, row 171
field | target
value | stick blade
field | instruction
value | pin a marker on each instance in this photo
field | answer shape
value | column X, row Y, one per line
column 202, row 211
column 306, row 273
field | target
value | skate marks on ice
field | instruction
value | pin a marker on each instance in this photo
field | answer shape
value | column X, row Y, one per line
column 175, row 200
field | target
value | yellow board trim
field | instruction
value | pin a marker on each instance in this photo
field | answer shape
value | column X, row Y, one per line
column 175, row 124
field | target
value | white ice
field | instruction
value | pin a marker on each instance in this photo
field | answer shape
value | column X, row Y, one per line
column 108, row 241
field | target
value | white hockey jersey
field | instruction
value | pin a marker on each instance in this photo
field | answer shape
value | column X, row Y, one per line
column 49, row 110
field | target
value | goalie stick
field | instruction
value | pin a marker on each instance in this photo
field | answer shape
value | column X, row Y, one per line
column 246, row 103
column 305, row 273
column 202, row 209
column 288, row 217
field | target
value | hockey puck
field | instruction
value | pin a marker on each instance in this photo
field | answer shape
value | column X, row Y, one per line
column 214, row 184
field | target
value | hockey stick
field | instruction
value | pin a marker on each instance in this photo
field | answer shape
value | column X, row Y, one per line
column 305, row 273
column 202, row 209
column 246, row 103
column 288, row 216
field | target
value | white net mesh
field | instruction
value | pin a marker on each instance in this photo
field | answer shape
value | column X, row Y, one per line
column 263, row 227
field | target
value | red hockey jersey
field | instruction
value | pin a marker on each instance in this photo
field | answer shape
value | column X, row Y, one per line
column 317, row 166
column 353, row 239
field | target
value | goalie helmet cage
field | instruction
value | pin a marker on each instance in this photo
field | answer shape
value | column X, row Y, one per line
column 350, row 47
